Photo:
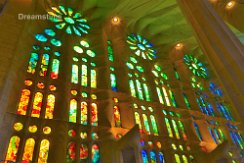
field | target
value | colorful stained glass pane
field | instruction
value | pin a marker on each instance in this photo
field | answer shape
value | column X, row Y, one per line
column 144, row 156
column 32, row 63
column 83, row 116
column 41, row 37
column 170, row 132
column 44, row 65
column 71, row 152
column 28, row 150
column 117, row 118
column 50, row 106
column 175, row 127
column 95, row 154
column 161, row 157
column 74, row 75
column 154, row 125
column 84, row 76
column 13, row 148
column 138, row 120
column 153, row 157
column 73, row 111
column 83, row 152
column 93, row 79
column 94, row 116
column 146, row 124
column 55, row 69
column 43, row 153
column 37, row 105
column 24, row 101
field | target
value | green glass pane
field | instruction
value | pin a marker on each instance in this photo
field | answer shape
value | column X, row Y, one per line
column 55, row 42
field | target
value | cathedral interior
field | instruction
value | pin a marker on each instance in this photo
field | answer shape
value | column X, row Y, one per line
column 121, row 81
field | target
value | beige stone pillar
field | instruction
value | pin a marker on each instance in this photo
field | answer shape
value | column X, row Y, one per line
column 223, row 50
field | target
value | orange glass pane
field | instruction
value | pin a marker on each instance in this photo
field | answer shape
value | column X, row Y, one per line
column 28, row 151
column 83, row 114
column 28, row 82
column 43, row 154
column 94, row 117
column 37, row 104
column 50, row 107
column 24, row 101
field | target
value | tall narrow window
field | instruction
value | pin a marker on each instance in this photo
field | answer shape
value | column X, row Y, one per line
column 74, row 75
column 73, row 111
column 161, row 157
column 94, row 117
column 84, row 76
column 70, row 155
column 43, row 153
column 113, row 82
column 146, row 124
column 154, row 125
column 177, row 158
column 212, row 135
column 184, row 158
column 175, row 129
column 24, row 101
column 153, row 157
column 198, row 131
column 32, row 63
column 13, row 148
column 83, row 114
column 117, row 118
column 160, row 96
column 186, row 101
column 132, row 88
column 138, row 120
column 28, row 150
column 83, row 152
column 166, row 97
column 146, row 92
column 55, row 69
column 182, row 130
column 139, row 89
column 95, row 153
column 37, row 105
column 170, row 132
column 44, row 65
column 93, row 78
column 144, row 156
column 50, row 106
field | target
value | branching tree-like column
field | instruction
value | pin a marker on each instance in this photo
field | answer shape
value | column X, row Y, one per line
column 223, row 50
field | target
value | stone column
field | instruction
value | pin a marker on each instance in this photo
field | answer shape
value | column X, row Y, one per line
column 223, row 50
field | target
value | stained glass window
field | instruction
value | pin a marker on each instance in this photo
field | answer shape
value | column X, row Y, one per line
column 196, row 66
column 70, row 156
column 177, row 135
column 113, row 82
column 32, row 63
column 154, row 125
column 170, row 132
column 83, row 114
column 141, row 47
column 73, row 111
column 144, row 156
column 146, row 124
column 95, row 153
column 24, row 101
column 50, row 106
column 138, row 120
column 177, row 158
column 132, row 88
column 182, row 130
column 28, row 150
column 72, row 22
column 93, row 78
column 186, row 101
column 13, row 148
column 44, row 65
column 117, row 118
column 198, row 131
column 37, row 105
column 43, row 153
column 153, row 157
column 84, row 75
column 83, row 152
column 94, row 116
column 74, row 75
column 161, row 157
column 184, row 158
column 166, row 97
column 55, row 69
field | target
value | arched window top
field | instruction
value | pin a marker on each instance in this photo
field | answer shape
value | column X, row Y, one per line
column 28, row 150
